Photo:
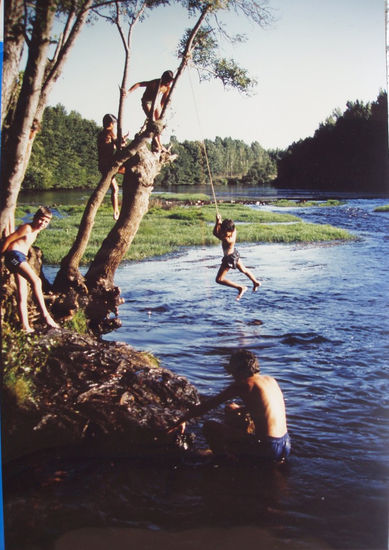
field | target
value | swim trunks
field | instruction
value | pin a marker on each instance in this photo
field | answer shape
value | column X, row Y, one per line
column 13, row 259
column 272, row 448
column 230, row 260
column 147, row 106
column 278, row 447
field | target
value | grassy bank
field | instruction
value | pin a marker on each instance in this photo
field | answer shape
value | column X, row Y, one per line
column 166, row 230
column 287, row 203
column 384, row 208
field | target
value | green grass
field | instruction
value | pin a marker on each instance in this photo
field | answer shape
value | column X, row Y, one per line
column 304, row 204
column 21, row 354
column 384, row 208
column 164, row 230
column 181, row 197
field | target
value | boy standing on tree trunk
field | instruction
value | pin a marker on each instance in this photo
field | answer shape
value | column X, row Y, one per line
column 15, row 249
column 153, row 88
column 106, row 148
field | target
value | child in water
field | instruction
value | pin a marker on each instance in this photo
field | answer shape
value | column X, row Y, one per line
column 226, row 232
column 153, row 88
column 263, row 402
column 15, row 249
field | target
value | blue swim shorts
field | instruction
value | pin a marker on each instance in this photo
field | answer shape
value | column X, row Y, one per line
column 271, row 448
column 13, row 259
column 278, row 447
column 230, row 260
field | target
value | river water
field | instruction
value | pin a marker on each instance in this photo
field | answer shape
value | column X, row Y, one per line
column 319, row 324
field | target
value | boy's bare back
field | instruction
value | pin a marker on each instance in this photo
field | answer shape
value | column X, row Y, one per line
column 264, row 401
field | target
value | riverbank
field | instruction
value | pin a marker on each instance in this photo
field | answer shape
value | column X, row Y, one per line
column 169, row 226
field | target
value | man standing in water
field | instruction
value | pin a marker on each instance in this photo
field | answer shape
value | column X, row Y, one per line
column 263, row 402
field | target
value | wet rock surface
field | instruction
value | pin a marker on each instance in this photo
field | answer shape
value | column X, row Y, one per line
column 102, row 398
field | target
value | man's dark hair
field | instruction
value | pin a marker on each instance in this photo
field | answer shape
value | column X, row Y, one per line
column 43, row 212
column 167, row 77
column 108, row 119
column 243, row 363
column 226, row 226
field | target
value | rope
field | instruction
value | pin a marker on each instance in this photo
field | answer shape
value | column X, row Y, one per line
column 203, row 143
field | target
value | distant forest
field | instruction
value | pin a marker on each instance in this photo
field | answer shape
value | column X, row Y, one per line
column 64, row 155
column 348, row 152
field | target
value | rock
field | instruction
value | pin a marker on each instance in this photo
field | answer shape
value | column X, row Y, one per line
column 102, row 398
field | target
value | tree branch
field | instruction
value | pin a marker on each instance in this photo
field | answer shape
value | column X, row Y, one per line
column 186, row 55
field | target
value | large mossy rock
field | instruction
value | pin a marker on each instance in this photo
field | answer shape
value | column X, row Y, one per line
column 94, row 397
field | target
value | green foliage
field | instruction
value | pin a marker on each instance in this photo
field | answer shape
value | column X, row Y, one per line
column 349, row 152
column 64, row 154
column 21, row 354
column 384, row 208
column 286, row 203
column 230, row 160
column 233, row 76
column 181, row 197
column 209, row 65
column 78, row 323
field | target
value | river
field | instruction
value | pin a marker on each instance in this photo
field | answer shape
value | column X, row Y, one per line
column 319, row 324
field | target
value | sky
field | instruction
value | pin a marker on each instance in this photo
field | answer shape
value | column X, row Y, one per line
column 312, row 59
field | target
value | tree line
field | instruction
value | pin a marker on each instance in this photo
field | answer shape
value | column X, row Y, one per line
column 348, row 152
column 64, row 156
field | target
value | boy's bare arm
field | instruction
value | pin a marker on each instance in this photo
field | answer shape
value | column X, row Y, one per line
column 206, row 406
column 16, row 235
column 137, row 85
column 216, row 229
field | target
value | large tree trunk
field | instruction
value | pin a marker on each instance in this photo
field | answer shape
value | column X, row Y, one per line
column 138, row 182
column 13, row 165
column 40, row 76
column 13, row 49
column 68, row 275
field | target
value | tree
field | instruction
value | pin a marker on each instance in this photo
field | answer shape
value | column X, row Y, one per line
column 349, row 152
column 34, row 25
column 142, row 166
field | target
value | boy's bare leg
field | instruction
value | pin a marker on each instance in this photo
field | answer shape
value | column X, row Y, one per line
column 115, row 198
column 22, row 302
column 221, row 280
column 26, row 271
column 248, row 274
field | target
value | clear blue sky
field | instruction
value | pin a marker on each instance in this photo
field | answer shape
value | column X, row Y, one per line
column 312, row 59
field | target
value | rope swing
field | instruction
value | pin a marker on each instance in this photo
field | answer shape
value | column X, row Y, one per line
column 203, row 143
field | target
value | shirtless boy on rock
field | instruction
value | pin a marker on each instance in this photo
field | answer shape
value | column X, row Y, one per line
column 15, row 248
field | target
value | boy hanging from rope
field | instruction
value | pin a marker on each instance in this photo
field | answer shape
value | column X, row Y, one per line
column 226, row 232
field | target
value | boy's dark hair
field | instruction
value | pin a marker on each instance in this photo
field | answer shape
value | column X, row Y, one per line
column 108, row 119
column 243, row 363
column 226, row 226
column 43, row 212
column 167, row 77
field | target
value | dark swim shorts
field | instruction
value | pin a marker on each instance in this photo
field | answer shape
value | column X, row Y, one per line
column 278, row 447
column 230, row 260
column 13, row 259
column 272, row 448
